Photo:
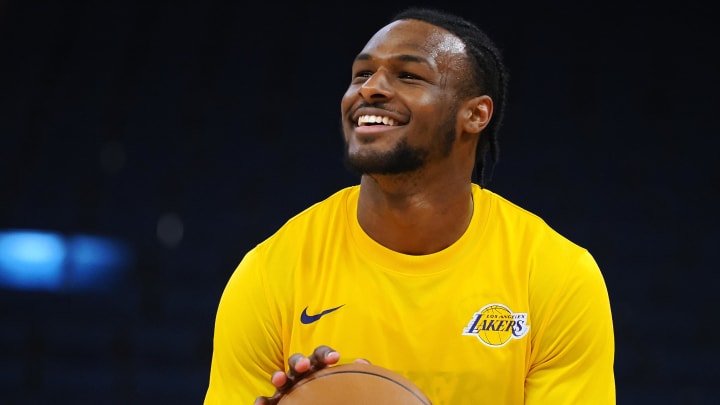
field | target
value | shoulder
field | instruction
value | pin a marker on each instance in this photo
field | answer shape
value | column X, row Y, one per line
column 550, row 255
column 522, row 225
column 310, row 223
column 277, row 255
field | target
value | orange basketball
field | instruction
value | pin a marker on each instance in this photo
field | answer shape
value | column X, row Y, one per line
column 355, row 384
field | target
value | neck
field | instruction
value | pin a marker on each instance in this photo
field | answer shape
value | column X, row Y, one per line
column 415, row 222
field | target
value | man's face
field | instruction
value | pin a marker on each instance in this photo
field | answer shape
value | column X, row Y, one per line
column 399, row 112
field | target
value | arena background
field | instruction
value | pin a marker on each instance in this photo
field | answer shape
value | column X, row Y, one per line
column 186, row 132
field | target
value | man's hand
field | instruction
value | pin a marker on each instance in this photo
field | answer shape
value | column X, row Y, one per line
column 300, row 367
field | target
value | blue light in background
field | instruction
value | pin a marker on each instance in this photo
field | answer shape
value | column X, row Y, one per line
column 95, row 262
column 41, row 260
column 31, row 260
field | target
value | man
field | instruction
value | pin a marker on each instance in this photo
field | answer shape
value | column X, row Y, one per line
column 419, row 269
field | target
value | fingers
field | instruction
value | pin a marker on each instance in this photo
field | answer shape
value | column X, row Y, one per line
column 299, row 363
column 279, row 380
column 323, row 356
column 299, row 368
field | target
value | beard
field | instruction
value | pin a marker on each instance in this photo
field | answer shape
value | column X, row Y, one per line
column 403, row 158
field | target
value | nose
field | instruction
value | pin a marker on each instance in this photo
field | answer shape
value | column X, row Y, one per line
column 376, row 87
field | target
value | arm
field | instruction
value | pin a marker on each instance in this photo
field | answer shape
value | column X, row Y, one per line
column 573, row 343
column 247, row 347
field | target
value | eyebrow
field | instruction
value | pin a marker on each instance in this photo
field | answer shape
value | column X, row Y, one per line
column 401, row 57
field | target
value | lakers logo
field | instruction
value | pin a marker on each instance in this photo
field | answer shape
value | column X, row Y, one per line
column 496, row 324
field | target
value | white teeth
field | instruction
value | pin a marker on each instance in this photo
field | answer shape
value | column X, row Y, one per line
column 375, row 119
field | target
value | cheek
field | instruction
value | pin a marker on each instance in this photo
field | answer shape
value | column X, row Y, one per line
column 347, row 100
column 434, row 103
column 432, row 110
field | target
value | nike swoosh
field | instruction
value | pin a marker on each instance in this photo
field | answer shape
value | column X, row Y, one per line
column 307, row 319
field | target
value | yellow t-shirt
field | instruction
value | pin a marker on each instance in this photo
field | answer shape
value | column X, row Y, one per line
column 511, row 313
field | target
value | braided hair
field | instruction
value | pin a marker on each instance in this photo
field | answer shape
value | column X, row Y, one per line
column 488, row 77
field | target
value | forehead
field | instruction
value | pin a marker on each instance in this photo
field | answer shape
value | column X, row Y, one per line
column 416, row 37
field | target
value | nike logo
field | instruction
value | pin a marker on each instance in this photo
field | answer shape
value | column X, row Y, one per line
column 307, row 319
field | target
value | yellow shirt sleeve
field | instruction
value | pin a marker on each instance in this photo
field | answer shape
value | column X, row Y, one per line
column 574, row 355
column 246, row 343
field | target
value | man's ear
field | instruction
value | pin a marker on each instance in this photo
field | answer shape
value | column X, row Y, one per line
column 477, row 113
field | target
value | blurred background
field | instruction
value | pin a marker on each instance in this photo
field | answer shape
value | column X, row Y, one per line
column 145, row 146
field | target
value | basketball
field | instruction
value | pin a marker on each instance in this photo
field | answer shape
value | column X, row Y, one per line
column 355, row 384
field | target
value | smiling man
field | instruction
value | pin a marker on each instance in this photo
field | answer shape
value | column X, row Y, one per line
column 420, row 268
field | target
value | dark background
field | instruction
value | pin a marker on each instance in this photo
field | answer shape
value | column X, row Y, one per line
column 225, row 116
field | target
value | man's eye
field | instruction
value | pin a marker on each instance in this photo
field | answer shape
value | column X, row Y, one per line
column 406, row 75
